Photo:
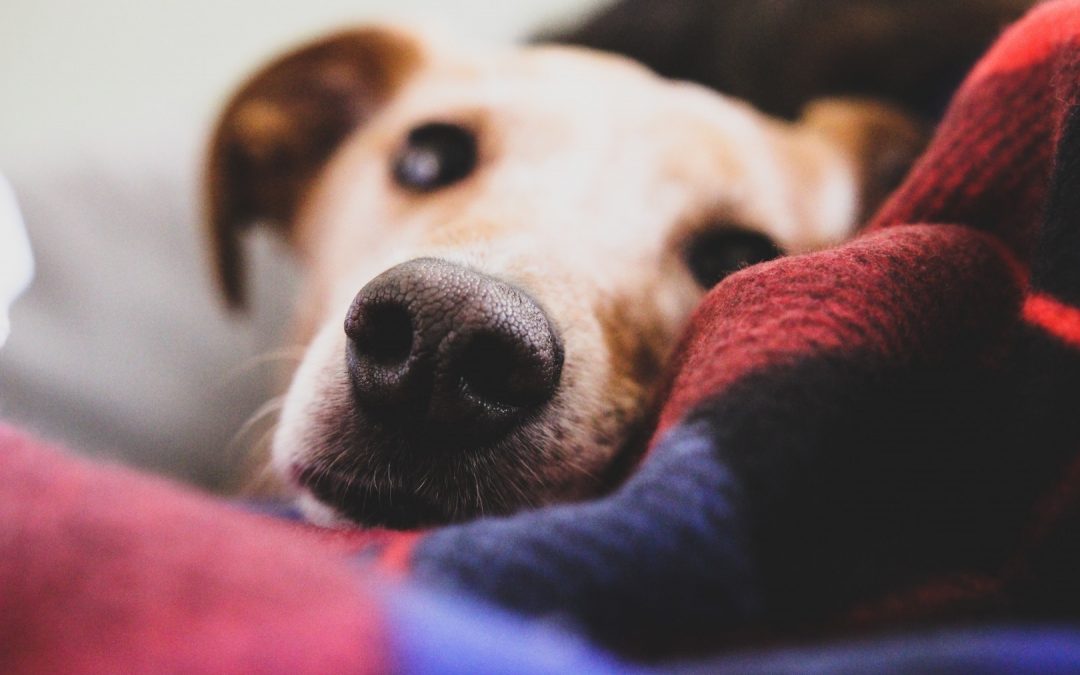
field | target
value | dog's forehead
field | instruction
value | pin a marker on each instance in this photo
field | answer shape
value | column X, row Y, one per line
column 573, row 144
column 595, row 127
column 568, row 86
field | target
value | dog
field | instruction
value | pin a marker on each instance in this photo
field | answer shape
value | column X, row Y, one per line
column 502, row 247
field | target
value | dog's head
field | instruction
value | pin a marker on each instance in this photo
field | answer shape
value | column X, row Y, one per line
column 502, row 249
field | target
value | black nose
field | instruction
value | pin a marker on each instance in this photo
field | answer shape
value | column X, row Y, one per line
column 435, row 346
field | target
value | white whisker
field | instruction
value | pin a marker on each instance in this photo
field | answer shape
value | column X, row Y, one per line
column 293, row 354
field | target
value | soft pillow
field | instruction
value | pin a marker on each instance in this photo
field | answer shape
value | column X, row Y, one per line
column 120, row 346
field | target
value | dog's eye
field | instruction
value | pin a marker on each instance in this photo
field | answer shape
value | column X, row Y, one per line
column 435, row 155
column 715, row 254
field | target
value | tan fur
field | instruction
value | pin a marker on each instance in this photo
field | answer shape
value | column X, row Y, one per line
column 593, row 176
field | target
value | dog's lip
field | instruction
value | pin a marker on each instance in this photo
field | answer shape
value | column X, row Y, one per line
column 361, row 502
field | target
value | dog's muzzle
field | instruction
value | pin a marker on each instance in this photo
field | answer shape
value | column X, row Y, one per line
column 449, row 357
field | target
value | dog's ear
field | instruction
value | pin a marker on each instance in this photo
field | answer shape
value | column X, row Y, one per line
column 281, row 127
column 882, row 141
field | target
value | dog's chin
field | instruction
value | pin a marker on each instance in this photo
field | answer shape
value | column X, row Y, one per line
column 371, row 474
column 339, row 500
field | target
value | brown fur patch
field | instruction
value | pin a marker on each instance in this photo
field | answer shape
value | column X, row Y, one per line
column 884, row 142
column 278, row 131
column 636, row 356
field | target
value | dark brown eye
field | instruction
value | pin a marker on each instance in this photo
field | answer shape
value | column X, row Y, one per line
column 435, row 155
column 715, row 254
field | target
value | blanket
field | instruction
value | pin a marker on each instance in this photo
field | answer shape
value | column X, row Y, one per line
column 875, row 437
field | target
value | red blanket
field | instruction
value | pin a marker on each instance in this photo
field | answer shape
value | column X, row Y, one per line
column 103, row 570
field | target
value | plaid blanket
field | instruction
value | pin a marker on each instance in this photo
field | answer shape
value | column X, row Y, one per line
column 867, row 437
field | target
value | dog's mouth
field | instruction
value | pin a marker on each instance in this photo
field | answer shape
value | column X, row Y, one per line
column 393, row 508
column 378, row 472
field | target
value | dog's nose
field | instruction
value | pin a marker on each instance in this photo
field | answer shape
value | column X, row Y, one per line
column 436, row 346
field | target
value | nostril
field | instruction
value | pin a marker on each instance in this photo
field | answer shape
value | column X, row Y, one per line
column 484, row 367
column 379, row 355
column 500, row 371
column 383, row 334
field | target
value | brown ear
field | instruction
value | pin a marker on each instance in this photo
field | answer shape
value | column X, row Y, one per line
column 883, row 142
column 280, row 129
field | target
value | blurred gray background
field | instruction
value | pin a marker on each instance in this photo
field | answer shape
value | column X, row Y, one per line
column 121, row 348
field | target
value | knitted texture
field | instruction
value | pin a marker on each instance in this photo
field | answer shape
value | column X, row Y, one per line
column 608, row 565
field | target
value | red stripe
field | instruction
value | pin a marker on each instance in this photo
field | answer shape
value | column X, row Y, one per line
column 1031, row 40
column 1017, row 268
column 963, row 592
column 1056, row 318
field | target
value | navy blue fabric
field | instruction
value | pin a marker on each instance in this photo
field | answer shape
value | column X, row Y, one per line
column 663, row 553
column 990, row 650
